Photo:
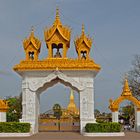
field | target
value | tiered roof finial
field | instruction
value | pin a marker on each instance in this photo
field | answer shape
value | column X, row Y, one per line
column 57, row 13
column 83, row 44
column 57, row 18
column 83, row 29
column 57, row 36
column 32, row 31
column 126, row 89
column 32, row 46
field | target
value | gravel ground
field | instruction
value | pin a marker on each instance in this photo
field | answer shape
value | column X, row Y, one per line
column 73, row 136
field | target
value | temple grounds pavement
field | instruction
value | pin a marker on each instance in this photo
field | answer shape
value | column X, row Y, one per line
column 73, row 136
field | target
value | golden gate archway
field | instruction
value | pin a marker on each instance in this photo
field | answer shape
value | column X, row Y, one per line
column 38, row 75
column 126, row 95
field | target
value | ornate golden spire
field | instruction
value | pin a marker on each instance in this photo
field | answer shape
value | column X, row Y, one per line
column 64, row 31
column 83, row 44
column 57, row 18
column 71, row 96
column 32, row 32
column 32, row 46
column 83, row 29
column 72, row 106
column 32, row 39
column 126, row 89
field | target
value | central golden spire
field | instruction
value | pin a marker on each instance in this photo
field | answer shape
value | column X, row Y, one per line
column 57, row 18
column 72, row 106
column 83, row 29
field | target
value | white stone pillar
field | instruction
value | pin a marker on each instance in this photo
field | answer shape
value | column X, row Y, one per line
column 2, row 116
column 137, row 121
column 115, row 116
column 87, row 106
column 29, row 107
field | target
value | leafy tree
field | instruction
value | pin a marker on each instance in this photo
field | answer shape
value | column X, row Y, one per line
column 128, row 111
column 15, row 109
column 57, row 111
column 134, row 77
column 97, row 113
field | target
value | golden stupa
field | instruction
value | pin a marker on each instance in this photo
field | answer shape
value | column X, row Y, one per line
column 72, row 106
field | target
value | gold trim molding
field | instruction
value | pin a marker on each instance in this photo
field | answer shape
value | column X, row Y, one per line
column 57, row 63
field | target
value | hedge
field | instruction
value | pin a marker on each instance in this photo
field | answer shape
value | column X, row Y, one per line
column 103, row 127
column 14, row 127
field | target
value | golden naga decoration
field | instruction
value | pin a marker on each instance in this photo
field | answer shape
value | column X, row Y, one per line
column 57, row 40
column 32, row 47
column 57, row 37
column 83, row 45
column 126, row 95
column 3, row 106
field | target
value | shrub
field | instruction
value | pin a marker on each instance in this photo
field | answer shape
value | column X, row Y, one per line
column 14, row 127
column 103, row 127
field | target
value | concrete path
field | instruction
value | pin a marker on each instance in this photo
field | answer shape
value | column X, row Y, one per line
column 74, row 136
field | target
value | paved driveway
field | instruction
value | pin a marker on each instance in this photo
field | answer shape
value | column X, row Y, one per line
column 74, row 136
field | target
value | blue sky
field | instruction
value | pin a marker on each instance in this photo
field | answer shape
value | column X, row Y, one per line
column 114, row 24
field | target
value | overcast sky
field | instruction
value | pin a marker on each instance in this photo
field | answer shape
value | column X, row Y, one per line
column 114, row 24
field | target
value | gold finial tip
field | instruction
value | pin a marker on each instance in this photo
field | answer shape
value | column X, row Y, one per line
column 32, row 31
column 125, row 76
column 32, row 28
column 83, row 28
column 57, row 12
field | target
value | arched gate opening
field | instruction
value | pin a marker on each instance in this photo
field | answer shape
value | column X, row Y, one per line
column 59, row 119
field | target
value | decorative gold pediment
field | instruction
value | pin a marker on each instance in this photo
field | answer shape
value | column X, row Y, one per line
column 32, row 47
column 32, row 40
column 83, row 45
column 83, row 39
column 126, row 95
column 64, row 31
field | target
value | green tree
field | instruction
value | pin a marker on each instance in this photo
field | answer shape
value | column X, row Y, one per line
column 57, row 111
column 128, row 111
column 15, row 108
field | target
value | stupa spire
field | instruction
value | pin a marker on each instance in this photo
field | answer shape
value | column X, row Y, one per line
column 83, row 29
column 71, row 96
column 72, row 106
column 32, row 32
column 57, row 18
column 126, row 89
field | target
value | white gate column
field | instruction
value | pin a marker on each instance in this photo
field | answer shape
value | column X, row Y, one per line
column 30, row 107
column 115, row 116
column 2, row 116
column 137, row 121
column 86, row 106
